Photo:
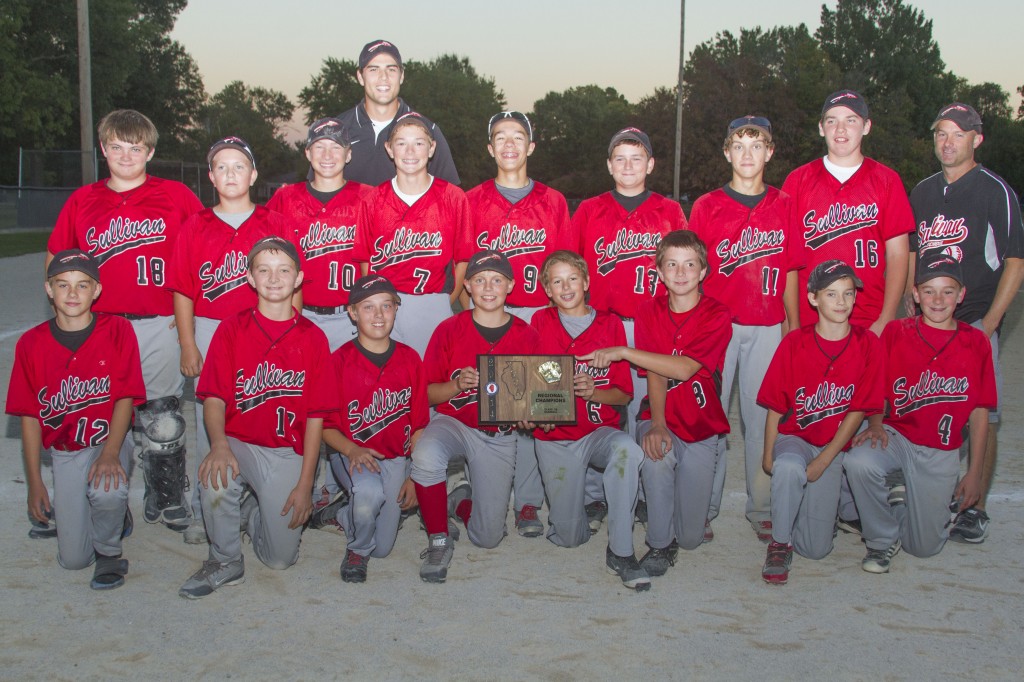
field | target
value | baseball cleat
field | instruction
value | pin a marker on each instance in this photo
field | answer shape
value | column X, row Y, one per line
column 777, row 563
column 851, row 526
column 879, row 560
column 628, row 569
column 527, row 523
column 897, row 486
column 657, row 561
column 436, row 558
column 327, row 514
column 213, row 575
column 763, row 529
column 109, row 572
column 971, row 527
column 709, row 533
column 596, row 513
column 195, row 534
column 353, row 568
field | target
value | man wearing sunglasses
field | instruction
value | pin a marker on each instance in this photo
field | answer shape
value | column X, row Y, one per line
column 754, row 251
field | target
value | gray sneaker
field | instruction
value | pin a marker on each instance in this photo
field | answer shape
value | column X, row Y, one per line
column 109, row 572
column 195, row 534
column 897, row 486
column 657, row 561
column 628, row 569
column 879, row 560
column 596, row 513
column 971, row 527
column 211, row 576
column 436, row 558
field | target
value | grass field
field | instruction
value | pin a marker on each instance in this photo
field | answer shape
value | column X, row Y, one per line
column 18, row 243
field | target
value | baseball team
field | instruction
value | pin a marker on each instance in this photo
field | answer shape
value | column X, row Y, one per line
column 342, row 322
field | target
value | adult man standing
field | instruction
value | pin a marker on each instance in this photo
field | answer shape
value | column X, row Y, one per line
column 369, row 123
column 971, row 213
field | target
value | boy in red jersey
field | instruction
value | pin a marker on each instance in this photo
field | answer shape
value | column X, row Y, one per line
column 322, row 213
column 129, row 223
column 939, row 379
column 74, row 382
column 527, row 221
column 265, row 396
column 384, row 398
column 619, row 232
column 209, row 272
column 565, row 453
column 854, row 209
column 754, row 252
column 455, row 433
column 822, row 381
column 681, row 337
column 416, row 230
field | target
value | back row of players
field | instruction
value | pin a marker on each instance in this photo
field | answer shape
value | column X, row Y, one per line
column 175, row 271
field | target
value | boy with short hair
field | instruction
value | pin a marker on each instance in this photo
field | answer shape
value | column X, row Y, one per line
column 822, row 381
column 681, row 337
column 129, row 223
column 384, row 398
column 939, row 379
column 566, row 452
column 74, row 382
column 454, row 433
column 265, row 396
column 527, row 221
column 209, row 272
column 854, row 209
column 754, row 252
column 416, row 230
column 619, row 232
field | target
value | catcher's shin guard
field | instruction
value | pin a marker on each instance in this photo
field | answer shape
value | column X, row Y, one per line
column 163, row 463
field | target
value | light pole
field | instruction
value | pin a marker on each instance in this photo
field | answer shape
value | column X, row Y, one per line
column 679, row 100
column 85, row 94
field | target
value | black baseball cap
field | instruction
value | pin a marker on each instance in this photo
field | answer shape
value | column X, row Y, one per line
column 489, row 259
column 516, row 116
column 230, row 142
column 370, row 285
column 632, row 135
column 963, row 115
column 831, row 271
column 758, row 123
column 415, row 118
column 937, row 263
column 274, row 244
column 850, row 99
column 375, row 48
column 73, row 260
column 328, row 129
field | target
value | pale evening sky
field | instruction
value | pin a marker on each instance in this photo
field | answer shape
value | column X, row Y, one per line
column 531, row 47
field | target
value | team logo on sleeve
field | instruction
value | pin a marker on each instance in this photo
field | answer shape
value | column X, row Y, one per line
column 322, row 239
column 229, row 275
column 929, row 389
column 627, row 245
column 513, row 240
column 405, row 245
column 266, row 383
column 838, row 221
column 600, row 376
column 386, row 407
column 465, row 398
column 74, row 395
column 123, row 235
column 942, row 234
column 826, row 401
column 752, row 244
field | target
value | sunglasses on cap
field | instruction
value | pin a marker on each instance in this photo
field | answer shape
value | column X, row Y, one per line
column 515, row 116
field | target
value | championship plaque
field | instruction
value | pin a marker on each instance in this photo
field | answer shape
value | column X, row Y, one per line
column 532, row 388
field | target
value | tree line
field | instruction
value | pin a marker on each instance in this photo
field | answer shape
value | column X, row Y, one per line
column 882, row 48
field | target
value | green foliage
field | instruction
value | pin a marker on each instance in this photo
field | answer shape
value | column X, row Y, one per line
column 332, row 91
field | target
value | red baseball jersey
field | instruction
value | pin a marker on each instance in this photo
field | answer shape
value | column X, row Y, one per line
column 527, row 232
column 455, row 344
column 414, row 245
column 813, row 382
column 326, row 233
column 750, row 252
column 850, row 221
column 693, row 408
column 381, row 407
column 72, row 393
column 211, row 261
column 619, row 248
column 606, row 330
column 272, row 377
column 132, row 236
column 934, row 378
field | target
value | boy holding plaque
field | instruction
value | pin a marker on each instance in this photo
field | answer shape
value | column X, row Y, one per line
column 566, row 452
column 455, row 433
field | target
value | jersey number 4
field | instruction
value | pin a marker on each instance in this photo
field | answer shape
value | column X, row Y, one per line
column 944, row 428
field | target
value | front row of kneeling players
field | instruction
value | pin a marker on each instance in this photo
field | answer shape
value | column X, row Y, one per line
column 268, row 401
